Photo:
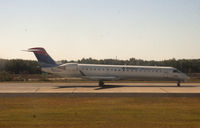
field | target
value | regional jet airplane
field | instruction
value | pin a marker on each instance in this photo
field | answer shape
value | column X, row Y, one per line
column 103, row 73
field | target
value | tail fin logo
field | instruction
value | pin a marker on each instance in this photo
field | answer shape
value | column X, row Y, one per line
column 40, row 51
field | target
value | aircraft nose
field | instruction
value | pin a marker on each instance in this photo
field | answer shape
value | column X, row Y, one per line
column 186, row 77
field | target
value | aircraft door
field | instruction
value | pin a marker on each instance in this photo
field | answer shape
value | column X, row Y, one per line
column 165, row 74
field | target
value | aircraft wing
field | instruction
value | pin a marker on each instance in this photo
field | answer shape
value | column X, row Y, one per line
column 105, row 78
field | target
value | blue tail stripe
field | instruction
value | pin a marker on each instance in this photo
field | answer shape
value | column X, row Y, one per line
column 45, row 61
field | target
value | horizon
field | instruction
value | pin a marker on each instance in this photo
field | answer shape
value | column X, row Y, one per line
column 103, row 59
column 71, row 30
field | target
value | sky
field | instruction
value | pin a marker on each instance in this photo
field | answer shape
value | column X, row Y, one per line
column 101, row 29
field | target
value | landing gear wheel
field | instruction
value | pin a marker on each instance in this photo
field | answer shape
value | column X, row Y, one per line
column 101, row 83
column 178, row 84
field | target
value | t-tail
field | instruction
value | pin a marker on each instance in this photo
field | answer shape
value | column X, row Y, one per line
column 43, row 58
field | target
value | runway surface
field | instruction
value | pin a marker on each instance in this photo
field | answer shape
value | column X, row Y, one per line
column 110, row 89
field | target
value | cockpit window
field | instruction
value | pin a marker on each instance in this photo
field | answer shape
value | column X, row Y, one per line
column 175, row 71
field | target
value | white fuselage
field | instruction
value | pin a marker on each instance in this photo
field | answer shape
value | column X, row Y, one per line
column 117, row 72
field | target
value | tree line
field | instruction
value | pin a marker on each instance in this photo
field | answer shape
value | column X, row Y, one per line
column 19, row 66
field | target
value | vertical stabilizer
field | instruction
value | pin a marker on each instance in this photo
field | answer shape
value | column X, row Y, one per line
column 42, row 56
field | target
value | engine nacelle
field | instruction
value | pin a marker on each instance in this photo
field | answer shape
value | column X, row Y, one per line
column 70, row 69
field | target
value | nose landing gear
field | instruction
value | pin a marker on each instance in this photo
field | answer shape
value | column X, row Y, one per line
column 101, row 83
column 179, row 83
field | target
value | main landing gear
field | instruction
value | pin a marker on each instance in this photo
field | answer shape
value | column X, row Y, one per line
column 179, row 83
column 101, row 83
